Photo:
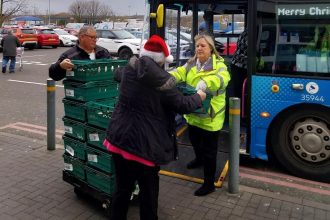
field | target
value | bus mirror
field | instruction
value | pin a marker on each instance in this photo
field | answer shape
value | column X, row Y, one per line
column 159, row 16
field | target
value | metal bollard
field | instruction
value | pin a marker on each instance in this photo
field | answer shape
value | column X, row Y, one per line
column 51, row 114
column 234, row 135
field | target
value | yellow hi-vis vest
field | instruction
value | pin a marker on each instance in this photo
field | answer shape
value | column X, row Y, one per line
column 214, row 73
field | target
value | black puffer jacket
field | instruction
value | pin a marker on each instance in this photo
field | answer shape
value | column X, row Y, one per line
column 9, row 44
column 143, row 122
column 75, row 53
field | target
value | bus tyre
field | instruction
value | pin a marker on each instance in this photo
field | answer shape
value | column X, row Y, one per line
column 300, row 142
column 125, row 54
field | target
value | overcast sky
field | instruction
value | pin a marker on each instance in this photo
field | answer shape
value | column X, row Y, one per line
column 120, row 7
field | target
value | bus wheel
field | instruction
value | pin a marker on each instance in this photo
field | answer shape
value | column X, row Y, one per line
column 300, row 142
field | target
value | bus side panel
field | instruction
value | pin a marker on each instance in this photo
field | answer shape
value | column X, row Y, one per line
column 273, row 95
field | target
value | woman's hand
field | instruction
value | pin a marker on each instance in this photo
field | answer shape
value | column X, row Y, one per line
column 201, row 94
column 201, row 85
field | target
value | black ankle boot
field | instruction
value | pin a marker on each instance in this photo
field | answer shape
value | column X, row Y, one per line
column 194, row 164
column 205, row 189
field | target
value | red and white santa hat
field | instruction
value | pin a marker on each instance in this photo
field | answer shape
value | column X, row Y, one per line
column 157, row 49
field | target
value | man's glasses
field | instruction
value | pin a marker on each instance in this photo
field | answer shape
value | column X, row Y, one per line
column 91, row 37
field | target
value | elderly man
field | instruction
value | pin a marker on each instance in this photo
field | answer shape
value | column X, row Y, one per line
column 86, row 49
column 9, row 44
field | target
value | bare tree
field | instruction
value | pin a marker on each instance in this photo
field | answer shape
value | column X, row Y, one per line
column 90, row 11
column 9, row 8
column 105, row 12
column 78, row 10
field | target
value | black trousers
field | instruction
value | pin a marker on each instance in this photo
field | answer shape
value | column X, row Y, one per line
column 238, row 75
column 205, row 144
column 127, row 173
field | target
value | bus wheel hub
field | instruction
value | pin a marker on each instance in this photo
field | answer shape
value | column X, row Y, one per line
column 310, row 140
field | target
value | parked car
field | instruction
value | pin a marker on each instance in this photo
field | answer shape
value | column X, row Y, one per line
column 185, row 46
column 72, row 31
column 66, row 39
column 26, row 36
column 119, row 42
column 47, row 37
column 228, row 48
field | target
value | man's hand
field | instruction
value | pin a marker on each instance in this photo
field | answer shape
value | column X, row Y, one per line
column 201, row 94
column 66, row 64
column 201, row 85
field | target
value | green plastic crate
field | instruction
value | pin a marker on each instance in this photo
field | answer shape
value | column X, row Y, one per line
column 99, row 113
column 74, row 148
column 74, row 166
column 74, row 109
column 100, row 159
column 189, row 90
column 93, row 70
column 74, row 129
column 90, row 91
column 95, row 136
column 99, row 180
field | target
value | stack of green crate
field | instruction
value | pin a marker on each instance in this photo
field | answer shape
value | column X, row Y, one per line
column 90, row 97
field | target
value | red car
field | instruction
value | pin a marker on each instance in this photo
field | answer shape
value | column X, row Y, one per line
column 228, row 49
column 47, row 37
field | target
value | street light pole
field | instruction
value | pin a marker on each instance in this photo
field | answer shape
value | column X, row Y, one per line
column 48, row 12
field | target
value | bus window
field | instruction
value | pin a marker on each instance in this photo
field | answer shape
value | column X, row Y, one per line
column 290, row 43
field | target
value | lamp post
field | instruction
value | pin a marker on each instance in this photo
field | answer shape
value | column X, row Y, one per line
column 48, row 12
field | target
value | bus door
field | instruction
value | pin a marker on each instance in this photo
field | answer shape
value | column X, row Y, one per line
column 177, row 35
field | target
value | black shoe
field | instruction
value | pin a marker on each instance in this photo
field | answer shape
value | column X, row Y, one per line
column 205, row 189
column 12, row 71
column 194, row 164
column 3, row 70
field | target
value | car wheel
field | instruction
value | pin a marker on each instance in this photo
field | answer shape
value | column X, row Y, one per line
column 300, row 142
column 54, row 46
column 125, row 54
column 61, row 44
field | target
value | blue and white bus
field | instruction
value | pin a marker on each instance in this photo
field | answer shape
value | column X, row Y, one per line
column 287, row 99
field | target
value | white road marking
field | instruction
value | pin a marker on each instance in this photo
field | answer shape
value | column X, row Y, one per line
column 31, row 62
column 35, row 83
column 36, row 56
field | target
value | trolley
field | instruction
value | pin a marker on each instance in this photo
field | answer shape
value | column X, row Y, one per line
column 19, row 57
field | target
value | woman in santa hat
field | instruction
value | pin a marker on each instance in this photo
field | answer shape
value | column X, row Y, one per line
column 141, row 132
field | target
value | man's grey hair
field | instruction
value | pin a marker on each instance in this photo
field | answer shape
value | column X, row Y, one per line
column 83, row 30
column 10, row 32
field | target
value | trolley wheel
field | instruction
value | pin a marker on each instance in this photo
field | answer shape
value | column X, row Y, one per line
column 106, row 205
column 300, row 142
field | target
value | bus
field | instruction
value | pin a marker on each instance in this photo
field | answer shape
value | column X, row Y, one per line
column 286, row 102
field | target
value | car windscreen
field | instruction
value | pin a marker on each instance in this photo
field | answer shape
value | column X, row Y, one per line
column 28, row 31
column 47, row 31
column 122, row 34
column 61, row 32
